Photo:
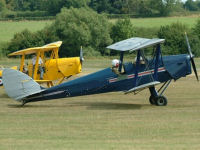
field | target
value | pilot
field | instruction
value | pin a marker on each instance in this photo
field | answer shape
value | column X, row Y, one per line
column 25, row 69
column 141, row 60
column 115, row 66
column 40, row 62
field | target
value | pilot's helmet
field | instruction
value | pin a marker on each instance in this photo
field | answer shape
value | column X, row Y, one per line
column 115, row 63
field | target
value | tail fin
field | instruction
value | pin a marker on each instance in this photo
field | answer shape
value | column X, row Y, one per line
column 19, row 85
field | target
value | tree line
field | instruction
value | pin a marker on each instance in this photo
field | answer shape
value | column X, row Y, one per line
column 145, row 8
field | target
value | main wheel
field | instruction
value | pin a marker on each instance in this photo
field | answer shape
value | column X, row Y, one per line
column 1, row 82
column 152, row 100
column 161, row 101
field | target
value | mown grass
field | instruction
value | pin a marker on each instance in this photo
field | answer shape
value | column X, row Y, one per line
column 105, row 121
column 9, row 28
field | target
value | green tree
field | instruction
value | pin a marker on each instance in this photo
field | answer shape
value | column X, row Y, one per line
column 23, row 40
column 133, row 6
column 27, row 39
column 196, row 40
column 2, row 5
column 144, row 9
column 109, row 6
column 54, row 6
column 163, row 7
column 151, row 7
column 174, row 38
column 196, row 29
column 175, row 42
column 82, row 27
column 123, row 29
column 191, row 5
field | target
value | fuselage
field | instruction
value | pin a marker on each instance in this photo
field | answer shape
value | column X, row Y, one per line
column 106, row 80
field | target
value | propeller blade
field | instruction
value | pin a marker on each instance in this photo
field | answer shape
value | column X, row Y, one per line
column 188, row 45
column 81, row 55
column 194, row 68
column 191, row 57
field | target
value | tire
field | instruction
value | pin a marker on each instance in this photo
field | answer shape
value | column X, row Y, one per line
column 161, row 101
column 1, row 82
column 152, row 100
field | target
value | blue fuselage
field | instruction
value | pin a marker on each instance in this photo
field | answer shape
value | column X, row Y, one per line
column 169, row 67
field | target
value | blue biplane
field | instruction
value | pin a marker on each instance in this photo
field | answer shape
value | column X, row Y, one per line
column 130, row 77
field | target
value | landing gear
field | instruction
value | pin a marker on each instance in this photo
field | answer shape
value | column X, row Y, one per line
column 23, row 103
column 152, row 100
column 161, row 101
column 156, row 98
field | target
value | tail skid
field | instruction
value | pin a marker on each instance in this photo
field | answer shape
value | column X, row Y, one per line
column 19, row 85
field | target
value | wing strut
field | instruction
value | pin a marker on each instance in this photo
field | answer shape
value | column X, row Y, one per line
column 158, row 53
column 121, row 59
column 137, row 68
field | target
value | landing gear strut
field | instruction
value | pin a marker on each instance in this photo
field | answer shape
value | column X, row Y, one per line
column 156, row 98
column 23, row 103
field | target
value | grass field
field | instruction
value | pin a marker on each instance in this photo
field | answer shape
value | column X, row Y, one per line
column 190, row 21
column 157, row 22
column 104, row 122
column 9, row 28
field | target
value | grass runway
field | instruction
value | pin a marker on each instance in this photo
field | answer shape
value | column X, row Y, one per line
column 104, row 122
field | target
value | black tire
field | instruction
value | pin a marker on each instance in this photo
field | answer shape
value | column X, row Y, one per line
column 1, row 82
column 161, row 101
column 152, row 100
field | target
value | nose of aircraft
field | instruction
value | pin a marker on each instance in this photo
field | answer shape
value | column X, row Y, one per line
column 191, row 57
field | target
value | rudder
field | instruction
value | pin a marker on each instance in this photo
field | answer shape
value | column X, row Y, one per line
column 19, row 85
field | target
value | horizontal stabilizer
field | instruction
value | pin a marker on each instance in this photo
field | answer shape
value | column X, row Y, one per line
column 19, row 85
column 143, row 86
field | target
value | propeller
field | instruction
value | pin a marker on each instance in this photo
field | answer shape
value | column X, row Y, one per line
column 81, row 55
column 191, row 57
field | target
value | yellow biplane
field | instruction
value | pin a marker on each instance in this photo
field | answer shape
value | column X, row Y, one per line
column 55, row 69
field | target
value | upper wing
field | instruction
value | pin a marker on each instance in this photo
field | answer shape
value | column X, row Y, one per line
column 134, row 44
column 34, row 50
